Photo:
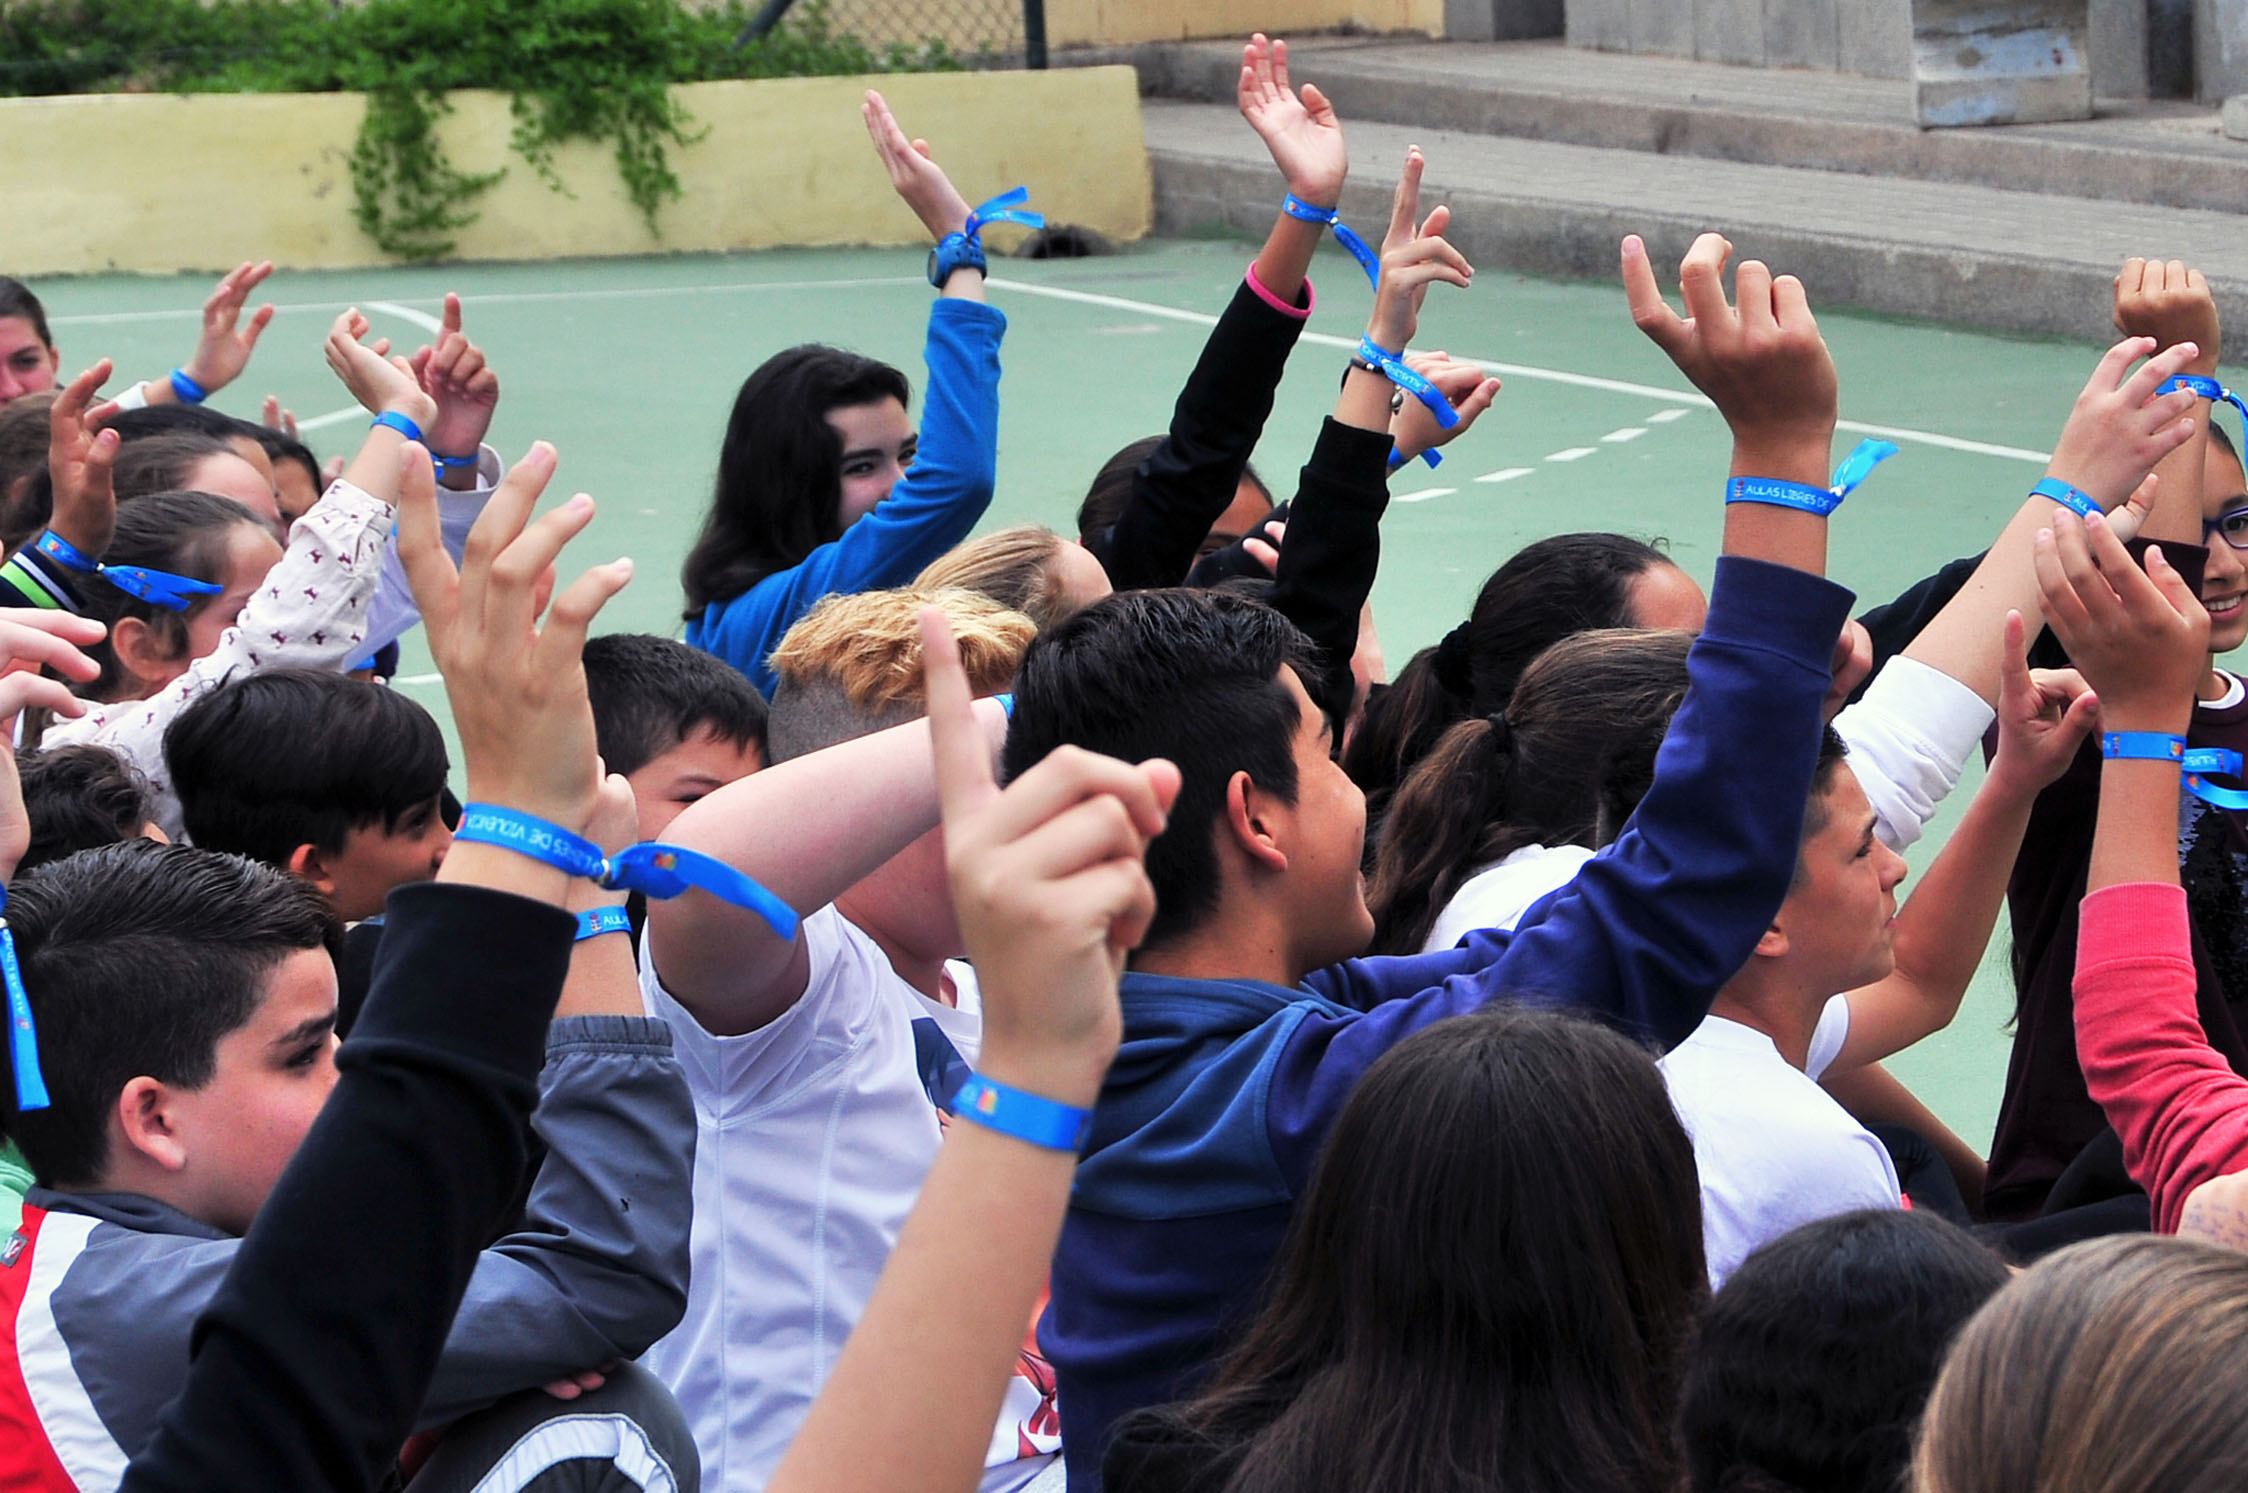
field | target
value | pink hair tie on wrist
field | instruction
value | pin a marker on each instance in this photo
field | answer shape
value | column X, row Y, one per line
column 1300, row 313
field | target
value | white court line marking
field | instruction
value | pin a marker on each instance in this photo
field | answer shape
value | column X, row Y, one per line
column 1683, row 402
column 333, row 417
column 1506, row 474
column 420, row 319
column 1574, row 453
column 1628, row 433
column 330, row 308
column 1424, row 495
column 418, row 679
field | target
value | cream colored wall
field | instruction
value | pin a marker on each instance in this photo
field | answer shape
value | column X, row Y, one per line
column 1072, row 22
column 161, row 183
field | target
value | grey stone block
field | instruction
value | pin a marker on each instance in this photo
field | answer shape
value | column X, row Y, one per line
column 1804, row 33
column 2220, row 49
column 1728, row 31
column 2027, row 62
column 1523, row 20
column 1873, row 38
column 2235, row 117
column 1603, row 25
column 2119, row 48
column 1664, row 28
column 1469, row 20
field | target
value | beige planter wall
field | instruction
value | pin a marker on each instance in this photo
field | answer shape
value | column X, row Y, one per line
column 162, row 183
column 1111, row 22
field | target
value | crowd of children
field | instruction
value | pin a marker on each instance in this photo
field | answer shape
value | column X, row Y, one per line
column 1031, row 1011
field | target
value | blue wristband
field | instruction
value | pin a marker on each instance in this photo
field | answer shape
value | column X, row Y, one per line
column 174, row 593
column 1393, row 368
column 1332, row 218
column 656, row 871
column 595, row 921
column 2143, row 746
column 23, row 1036
column 189, row 391
column 1042, row 1122
column 1855, row 468
column 2206, row 388
column 400, row 423
column 451, row 463
column 2072, row 498
column 1006, row 701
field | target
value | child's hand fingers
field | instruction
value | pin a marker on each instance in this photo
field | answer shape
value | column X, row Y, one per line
column 963, row 753
column 1701, row 282
column 1649, row 311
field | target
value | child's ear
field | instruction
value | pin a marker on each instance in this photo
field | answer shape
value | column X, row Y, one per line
column 139, row 647
column 306, row 861
column 146, row 1124
column 1248, row 821
column 1773, row 945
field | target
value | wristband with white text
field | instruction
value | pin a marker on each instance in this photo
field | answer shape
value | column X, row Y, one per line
column 1805, row 498
column 1368, row 260
column 2075, row 499
column 595, row 921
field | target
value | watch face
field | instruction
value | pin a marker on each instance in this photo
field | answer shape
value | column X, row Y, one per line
column 933, row 270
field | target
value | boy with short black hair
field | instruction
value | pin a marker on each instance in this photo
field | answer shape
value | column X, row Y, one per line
column 674, row 720
column 338, row 780
column 78, row 798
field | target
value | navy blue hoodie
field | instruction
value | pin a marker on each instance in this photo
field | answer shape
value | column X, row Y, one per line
column 1223, row 1090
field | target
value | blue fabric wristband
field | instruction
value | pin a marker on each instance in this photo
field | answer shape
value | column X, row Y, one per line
column 595, row 921
column 657, row 871
column 174, row 593
column 1027, row 1117
column 23, row 1036
column 2072, row 498
column 2143, row 746
column 403, row 424
column 1394, row 369
column 1855, row 468
column 188, row 390
column 451, row 463
column 2206, row 388
column 1332, row 218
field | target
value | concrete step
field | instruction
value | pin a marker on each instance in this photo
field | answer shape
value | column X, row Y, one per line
column 2159, row 152
column 2015, row 261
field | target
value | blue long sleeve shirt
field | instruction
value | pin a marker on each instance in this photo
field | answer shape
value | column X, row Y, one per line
column 928, row 512
column 1214, row 1111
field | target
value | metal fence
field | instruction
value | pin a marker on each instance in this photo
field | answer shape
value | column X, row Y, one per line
column 980, row 33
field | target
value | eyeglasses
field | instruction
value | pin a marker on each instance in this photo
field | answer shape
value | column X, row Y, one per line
column 2232, row 523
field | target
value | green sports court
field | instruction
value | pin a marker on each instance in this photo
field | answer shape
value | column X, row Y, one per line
column 630, row 367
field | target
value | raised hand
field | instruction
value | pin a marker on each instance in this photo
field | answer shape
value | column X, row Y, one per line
column 2171, row 304
column 378, row 381
column 2043, row 717
column 1850, row 667
column 914, row 173
column 2139, row 638
column 79, row 459
column 1049, row 884
column 517, row 689
column 1414, row 257
column 225, row 348
column 1763, row 364
column 467, row 391
column 274, row 417
column 1413, row 429
column 2119, row 427
column 1300, row 129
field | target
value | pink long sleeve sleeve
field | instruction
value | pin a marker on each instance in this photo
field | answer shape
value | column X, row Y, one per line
column 2180, row 1109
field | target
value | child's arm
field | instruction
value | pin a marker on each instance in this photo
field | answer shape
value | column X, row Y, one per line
column 1051, row 890
column 2141, row 640
column 807, row 830
column 954, row 468
column 1327, row 563
column 1188, row 480
column 1874, row 1097
column 1946, row 923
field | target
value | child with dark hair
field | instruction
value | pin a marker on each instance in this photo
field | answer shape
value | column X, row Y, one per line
column 677, row 723
column 1811, row 1366
column 78, row 798
column 814, row 494
column 1247, row 1017
column 185, row 1006
column 28, row 359
column 335, row 779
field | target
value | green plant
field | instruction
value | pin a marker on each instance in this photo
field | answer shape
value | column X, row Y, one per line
column 597, row 70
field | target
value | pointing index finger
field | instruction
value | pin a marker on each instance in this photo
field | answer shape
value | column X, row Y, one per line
column 964, row 780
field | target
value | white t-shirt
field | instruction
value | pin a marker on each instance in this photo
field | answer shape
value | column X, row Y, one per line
column 1498, row 895
column 812, row 1137
column 1774, row 1150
